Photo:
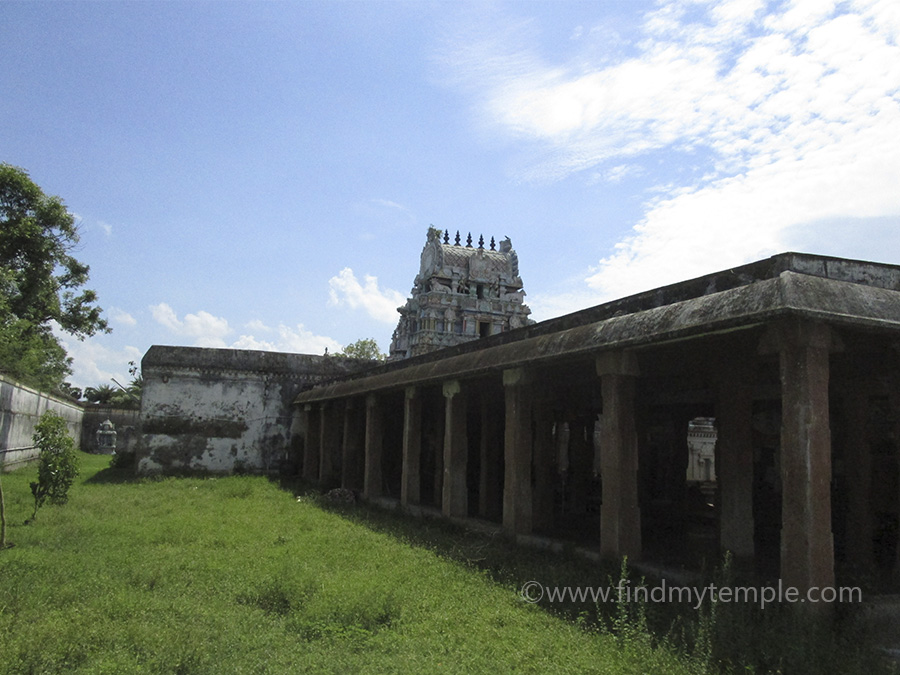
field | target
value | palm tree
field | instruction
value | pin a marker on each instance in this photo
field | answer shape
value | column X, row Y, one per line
column 102, row 394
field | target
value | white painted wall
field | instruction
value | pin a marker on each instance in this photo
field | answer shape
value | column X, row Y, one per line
column 221, row 409
column 20, row 409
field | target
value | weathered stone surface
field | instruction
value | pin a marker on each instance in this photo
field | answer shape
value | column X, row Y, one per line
column 218, row 409
column 20, row 409
column 127, row 423
column 462, row 293
column 455, row 501
column 518, row 440
column 712, row 346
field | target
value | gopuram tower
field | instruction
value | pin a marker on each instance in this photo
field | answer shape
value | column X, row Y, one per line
column 462, row 293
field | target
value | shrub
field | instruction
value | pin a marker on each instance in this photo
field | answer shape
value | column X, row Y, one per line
column 58, row 465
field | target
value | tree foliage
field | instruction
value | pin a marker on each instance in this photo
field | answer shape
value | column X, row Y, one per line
column 119, row 396
column 365, row 348
column 127, row 397
column 66, row 389
column 103, row 394
column 41, row 283
column 58, row 463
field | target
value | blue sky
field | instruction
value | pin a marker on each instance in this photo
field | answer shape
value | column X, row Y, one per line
column 262, row 174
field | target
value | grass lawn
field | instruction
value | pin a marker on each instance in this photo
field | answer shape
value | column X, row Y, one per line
column 238, row 574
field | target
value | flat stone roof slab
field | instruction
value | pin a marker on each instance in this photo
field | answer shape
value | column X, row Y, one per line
column 825, row 289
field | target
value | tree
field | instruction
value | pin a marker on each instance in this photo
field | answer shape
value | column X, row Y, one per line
column 130, row 396
column 66, row 389
column 41, row 283
column 365, row 348
column 103, row 394
column 32, row 356
column 119, row 396
column 57, row 465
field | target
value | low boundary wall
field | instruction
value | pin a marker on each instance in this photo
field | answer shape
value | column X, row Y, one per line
column 20, row 409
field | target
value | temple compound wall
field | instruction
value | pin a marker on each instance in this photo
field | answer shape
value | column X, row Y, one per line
column 20, row 409
column 754, row 410
column 222, row 410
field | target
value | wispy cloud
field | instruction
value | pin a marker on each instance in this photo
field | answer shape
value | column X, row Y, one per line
column 94, row 363
column 205, row 329
column 791, row 112
column 388, row 204
column 380, row 304
column 257, row 326
column 122, row 317
column 297, row 339
column 104, row 227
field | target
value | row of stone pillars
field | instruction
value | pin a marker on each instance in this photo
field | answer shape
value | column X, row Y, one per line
column 527, row 444
column 356, row 433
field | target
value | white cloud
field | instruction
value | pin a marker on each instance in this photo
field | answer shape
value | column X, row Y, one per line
column 257, row 326
column 93, row 363
column 122, row 317
column 210, row 331
column 792, row 115
column 617, row 174
column 381, row 305
column 298, row 340
column 205, row 329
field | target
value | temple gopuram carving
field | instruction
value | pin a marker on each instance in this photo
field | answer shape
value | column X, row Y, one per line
column 462, row 293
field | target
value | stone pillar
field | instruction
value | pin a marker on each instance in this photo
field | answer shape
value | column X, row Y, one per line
column 734, row 458
column 372, row 482
column 858, row 460
column 545, row 474
column 410, row 485
column 807, row 548
column 620, row 515
column 297, row 436
column 894, row 403
column 353, row 454
column 330, row 433
column 311, row 442
column 455, row 498
column 440, row 420
column 517, row 446
column 581, row 457
column 490, row 498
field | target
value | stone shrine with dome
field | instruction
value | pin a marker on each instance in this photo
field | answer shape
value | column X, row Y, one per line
column 463, row 292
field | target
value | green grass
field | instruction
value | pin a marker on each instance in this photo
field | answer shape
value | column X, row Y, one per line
column 239, row 575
